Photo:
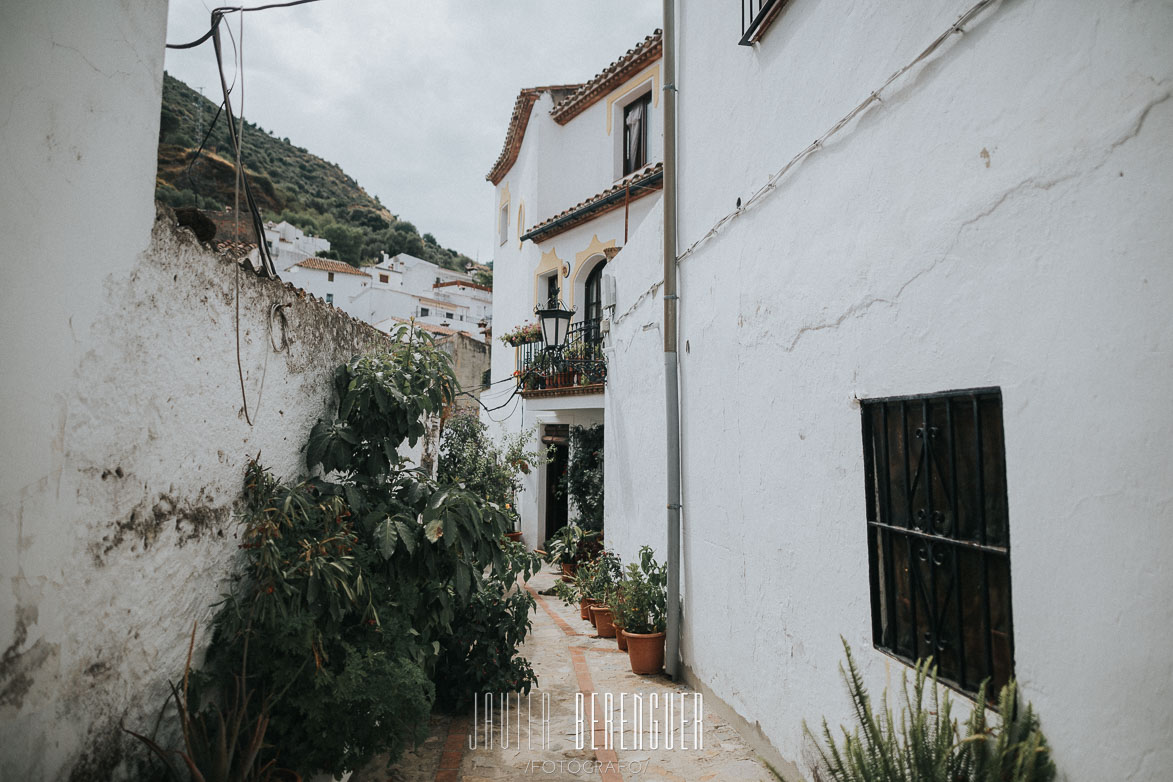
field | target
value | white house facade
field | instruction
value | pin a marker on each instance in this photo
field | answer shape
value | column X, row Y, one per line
column 924, row 363
column 335, row 282
column 579, row 173
column 288, row 244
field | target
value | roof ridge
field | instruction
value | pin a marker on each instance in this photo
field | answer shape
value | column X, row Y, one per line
column 573, row 105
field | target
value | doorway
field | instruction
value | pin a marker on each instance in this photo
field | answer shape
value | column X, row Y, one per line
column 557, row 438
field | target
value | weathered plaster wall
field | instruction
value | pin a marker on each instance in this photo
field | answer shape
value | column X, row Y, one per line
column 1000, row 219
column 127, row 543
column 124, row 437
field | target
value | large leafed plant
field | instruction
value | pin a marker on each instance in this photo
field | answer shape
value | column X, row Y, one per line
column 371, row 587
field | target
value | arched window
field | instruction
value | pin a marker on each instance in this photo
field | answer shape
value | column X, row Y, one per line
column 593, row 311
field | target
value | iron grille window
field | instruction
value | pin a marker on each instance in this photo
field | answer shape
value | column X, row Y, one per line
column 756, row 16
column 938, row 533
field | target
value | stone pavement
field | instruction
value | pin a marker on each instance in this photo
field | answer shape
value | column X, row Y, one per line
column 569, row 660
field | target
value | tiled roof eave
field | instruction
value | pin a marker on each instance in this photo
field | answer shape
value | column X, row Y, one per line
column 636, row 58
column 642, row 184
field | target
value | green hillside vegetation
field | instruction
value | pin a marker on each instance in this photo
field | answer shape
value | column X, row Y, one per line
column 289, row 183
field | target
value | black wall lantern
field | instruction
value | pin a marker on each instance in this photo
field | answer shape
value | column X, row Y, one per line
column 555, row 321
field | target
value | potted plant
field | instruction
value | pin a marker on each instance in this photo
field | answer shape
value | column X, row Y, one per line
column 643, row 612
column 597, row 583
column 522, row 335
column 563, row 548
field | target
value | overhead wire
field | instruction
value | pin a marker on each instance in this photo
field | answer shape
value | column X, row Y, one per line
column 771, row 184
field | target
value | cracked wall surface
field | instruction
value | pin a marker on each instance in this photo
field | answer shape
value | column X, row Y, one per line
column 125, row 440
column 1000, row 218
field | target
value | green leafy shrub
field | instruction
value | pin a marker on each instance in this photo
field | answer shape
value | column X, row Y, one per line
column 598, row 578
column 470, row 457
column 641, row 603
column 570, row 545
column 584, row 474
column 926, row 744
column 369, row 590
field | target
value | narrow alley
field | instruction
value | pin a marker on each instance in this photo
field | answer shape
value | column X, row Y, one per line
column 569, row 659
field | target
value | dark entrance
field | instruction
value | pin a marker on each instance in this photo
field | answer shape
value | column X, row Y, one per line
column 556, row 436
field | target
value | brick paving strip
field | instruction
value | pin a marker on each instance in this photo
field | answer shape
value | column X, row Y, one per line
column 453, row 753
column 559, row 652
column 607, row 759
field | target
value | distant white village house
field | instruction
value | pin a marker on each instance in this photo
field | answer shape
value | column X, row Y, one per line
column 397, row 289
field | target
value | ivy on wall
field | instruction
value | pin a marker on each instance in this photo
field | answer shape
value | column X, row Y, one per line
column 584, row 474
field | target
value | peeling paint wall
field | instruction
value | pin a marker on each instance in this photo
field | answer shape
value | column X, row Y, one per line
column 125, row 440
column 1001, row 218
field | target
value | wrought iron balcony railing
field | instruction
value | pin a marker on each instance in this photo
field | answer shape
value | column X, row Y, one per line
column 579, row 364
column 756, row 15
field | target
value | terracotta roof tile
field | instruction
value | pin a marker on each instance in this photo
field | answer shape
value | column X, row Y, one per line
column 636, row 58
column 330, row 265
column 648, row 180
column 518, row 122
column 465, row 284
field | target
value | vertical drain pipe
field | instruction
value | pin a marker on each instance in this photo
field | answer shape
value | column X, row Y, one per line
column 671, row 381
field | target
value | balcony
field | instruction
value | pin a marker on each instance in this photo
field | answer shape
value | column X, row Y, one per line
column 577, row 369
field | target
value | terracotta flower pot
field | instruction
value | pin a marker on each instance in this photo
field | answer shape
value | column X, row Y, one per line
column 621, row 639
column 584, row 608
column 514, row 536
column 603, row 624
column 645, row 651
column 568, row 568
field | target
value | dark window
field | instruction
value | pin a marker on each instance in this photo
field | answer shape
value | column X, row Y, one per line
column 593, row 312
column 384, row 278
column 424, row 312
column 552, row 290
column 938, row 533
column 635, row 134
column 330, row 276
column 756, row 16
column 329, row 298
column 448, row 315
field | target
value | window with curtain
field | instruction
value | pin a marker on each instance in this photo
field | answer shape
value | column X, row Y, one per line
column 635, row 134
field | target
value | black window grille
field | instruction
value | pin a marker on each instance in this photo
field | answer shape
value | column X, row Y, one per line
column 756, row 16
column 939, row 535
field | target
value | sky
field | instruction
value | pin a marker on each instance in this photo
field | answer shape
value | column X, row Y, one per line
column 411, row 98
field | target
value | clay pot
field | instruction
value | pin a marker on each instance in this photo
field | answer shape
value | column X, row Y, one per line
column 621, row 639
column 584, row 608
column 568, row 568
column 602, row 616
column 514, row 536
column 645, row 651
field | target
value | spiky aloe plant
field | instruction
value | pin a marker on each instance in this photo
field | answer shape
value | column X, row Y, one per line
column 926, row 744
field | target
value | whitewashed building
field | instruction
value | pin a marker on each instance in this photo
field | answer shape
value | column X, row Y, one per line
column 579, row 173
column 405, row 287
column 398, row 289
column 288, row 244
column 924, row 363
column 336, row 282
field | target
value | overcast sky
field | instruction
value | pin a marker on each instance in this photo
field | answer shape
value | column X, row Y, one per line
column 410, row 97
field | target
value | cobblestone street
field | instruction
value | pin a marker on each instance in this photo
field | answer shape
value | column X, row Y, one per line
column 569, row 659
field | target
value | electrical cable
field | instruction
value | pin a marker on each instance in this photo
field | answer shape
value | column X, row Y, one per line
column 219, row 12
column 772, row 182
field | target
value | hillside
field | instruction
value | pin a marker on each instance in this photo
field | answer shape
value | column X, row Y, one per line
column 288, row 183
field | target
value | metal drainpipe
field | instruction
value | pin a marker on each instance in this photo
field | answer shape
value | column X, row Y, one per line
column 671, row 381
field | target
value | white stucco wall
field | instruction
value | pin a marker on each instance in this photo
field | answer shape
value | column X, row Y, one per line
column 125, row 442
column 346, row 289
column 1000, row 219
